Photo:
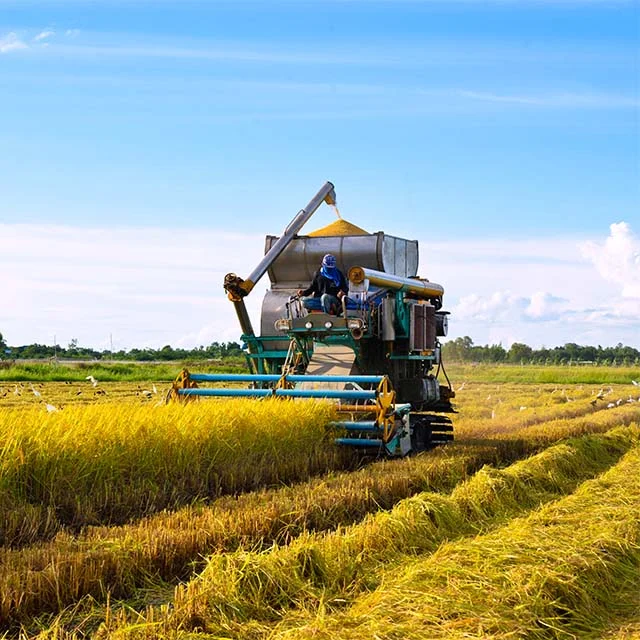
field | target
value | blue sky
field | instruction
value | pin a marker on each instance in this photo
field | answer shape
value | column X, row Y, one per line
column 506, row 123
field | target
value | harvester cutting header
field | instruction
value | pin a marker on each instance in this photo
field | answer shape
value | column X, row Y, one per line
column 373, row 349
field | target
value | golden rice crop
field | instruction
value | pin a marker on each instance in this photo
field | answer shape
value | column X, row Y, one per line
column 326, row 570
column 562, row 572
column 49, row 576
column 118, row 561
column 108, row 463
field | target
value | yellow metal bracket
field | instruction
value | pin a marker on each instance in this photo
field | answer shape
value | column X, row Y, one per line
column 385, row 403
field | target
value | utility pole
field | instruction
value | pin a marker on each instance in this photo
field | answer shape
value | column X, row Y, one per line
column 111, row 343
column 55, row 347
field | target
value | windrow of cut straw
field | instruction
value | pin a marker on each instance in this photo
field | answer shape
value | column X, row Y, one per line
column 117, row 560
column 316, row 571
column 110, row 463
column 563, row 572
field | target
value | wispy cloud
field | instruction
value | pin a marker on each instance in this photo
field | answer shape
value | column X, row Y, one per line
column 379, row 52
column 11, row 42
column 43, row 35
column 557, row 100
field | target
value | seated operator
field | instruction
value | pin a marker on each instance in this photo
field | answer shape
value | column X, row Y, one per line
column 329, row 284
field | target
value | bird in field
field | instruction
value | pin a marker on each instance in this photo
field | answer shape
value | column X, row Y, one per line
column 618, row 402
column 51, row 408
column 461, row 387
column 522, row 408
column 146, row 393
column 154, row 389
column 493, row 414
column 16, row 391
column 610, row 405
column 36, row 393
column 594, row 402
column 635, row 383
column 93, row 381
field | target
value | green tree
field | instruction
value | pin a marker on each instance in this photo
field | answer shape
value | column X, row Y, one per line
column 520, row 352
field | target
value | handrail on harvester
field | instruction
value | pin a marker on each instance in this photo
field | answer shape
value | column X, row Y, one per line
column 186, row 388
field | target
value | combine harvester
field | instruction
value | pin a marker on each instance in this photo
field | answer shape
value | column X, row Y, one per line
column 375, row 359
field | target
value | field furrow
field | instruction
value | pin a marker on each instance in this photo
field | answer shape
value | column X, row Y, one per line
column 240, row 519
column 117, row 560
column 330, row 569
column 555, row 574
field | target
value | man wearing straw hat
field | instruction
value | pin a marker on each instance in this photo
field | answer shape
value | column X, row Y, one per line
column 329, row 285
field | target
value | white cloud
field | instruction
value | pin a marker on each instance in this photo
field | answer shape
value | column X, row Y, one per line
column 543, row 291
column 11, row 42
column 43, row 35
column 494, row 307
column 156, row 286
column 544, row 305
column 618, row 259
column 72, row 33
column 146, row 286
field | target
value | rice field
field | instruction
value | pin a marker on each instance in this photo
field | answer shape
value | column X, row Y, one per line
column 121, row 517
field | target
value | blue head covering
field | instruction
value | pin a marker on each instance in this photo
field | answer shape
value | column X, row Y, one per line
column 329, row 270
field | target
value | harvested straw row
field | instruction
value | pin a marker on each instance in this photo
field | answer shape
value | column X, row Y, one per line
column 326, row 570
column 563, row 572
column 50, row 576
column 110, row 463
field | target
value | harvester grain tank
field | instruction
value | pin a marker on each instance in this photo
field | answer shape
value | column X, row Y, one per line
column 379, row 359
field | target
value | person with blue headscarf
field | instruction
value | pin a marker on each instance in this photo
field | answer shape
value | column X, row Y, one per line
column 329, row 285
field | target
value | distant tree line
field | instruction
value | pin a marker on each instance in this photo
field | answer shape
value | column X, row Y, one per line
column 463, row 350
column 216, row 350
column 458, row 350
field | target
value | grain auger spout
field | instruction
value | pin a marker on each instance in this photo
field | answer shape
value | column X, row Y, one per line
column 374, row 349
column 237, row 288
